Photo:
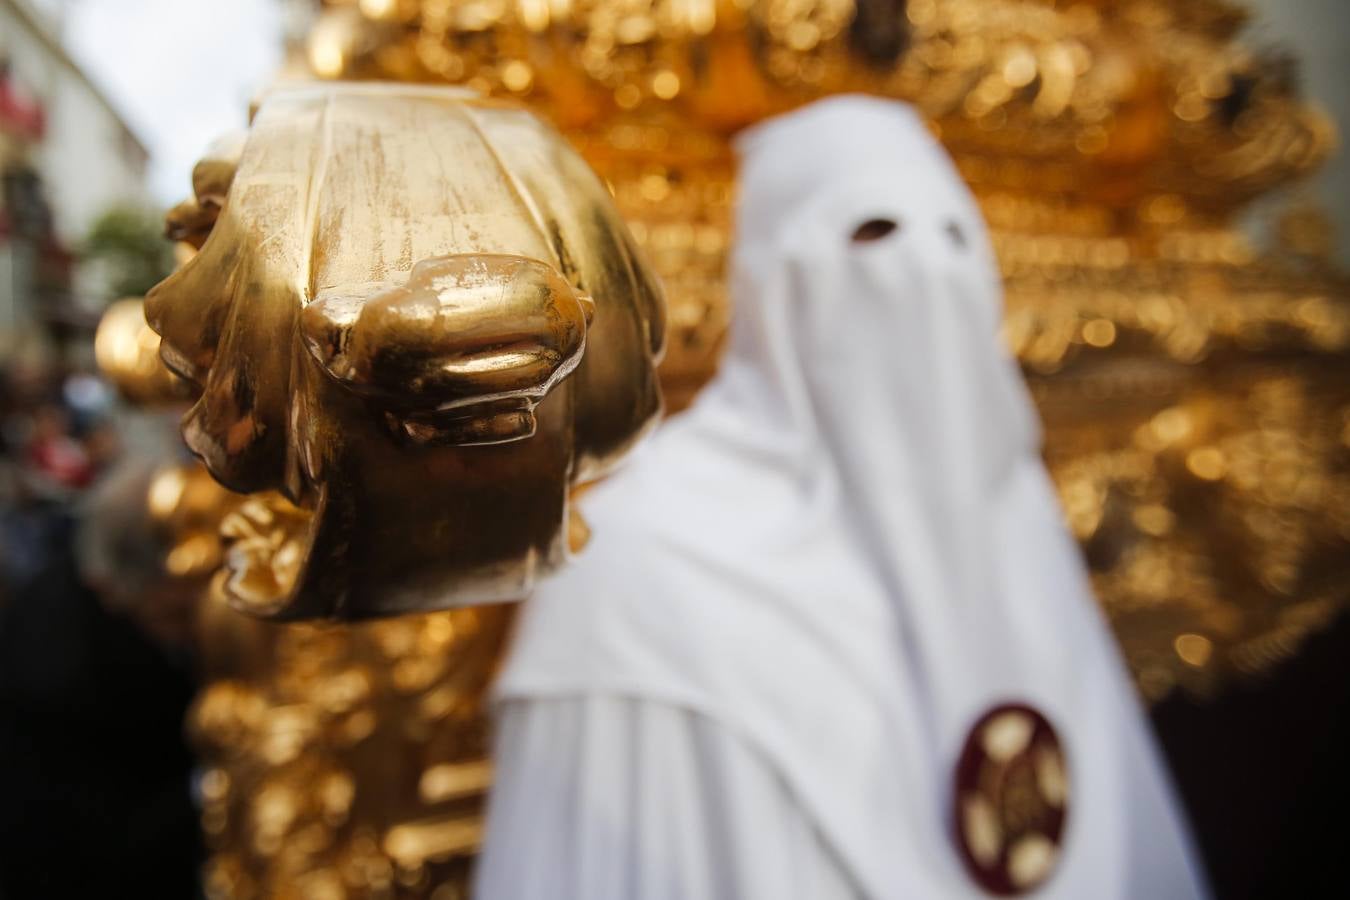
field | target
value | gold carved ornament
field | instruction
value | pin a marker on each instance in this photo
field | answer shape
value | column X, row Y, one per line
column 338, row 760
column 413, row 322
column 1114, row 147
column 418, row 316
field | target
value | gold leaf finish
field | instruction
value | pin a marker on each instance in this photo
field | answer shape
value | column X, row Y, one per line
column 1113, row 147
column 419, row 317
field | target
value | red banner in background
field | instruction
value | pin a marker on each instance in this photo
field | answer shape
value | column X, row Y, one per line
column 20, row 113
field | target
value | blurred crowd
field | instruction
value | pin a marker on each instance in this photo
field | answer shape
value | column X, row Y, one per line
column 56, row 436
column 94, row 768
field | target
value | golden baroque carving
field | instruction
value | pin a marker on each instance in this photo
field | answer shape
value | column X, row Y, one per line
column 417, row 315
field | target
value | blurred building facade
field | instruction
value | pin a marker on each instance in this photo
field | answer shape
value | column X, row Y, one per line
column 67, row 157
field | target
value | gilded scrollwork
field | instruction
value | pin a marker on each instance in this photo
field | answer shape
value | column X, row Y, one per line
column 1112, row 145
column 416, row 315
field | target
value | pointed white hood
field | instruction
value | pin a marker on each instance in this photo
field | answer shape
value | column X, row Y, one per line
column 848, row 550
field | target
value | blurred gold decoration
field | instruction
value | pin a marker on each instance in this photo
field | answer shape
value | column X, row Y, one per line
column 344, row 761
column 127, row 352
column 387, row 320
column 188, row 505
column 338, row 761
column 1113, row 146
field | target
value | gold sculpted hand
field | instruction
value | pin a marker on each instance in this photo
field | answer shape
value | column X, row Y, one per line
column 476, row 340
column 417, row 314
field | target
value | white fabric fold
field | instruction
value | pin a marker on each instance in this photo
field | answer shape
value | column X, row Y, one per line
column 631, row 799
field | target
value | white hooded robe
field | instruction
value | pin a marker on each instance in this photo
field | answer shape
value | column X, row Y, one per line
column 801, row 594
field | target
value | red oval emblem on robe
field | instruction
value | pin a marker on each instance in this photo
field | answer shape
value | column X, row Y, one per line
column 1011, row 800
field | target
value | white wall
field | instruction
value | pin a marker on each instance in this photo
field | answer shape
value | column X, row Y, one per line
column 87, row 159
column 1318, row 32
